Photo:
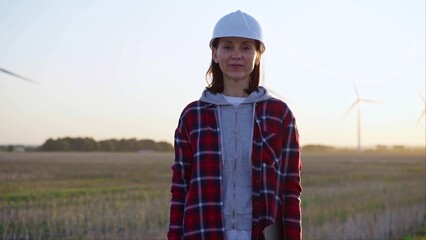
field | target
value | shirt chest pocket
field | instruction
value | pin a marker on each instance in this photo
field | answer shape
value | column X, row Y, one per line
column 270, row 140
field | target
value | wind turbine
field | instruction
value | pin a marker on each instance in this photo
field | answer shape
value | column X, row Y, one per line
column 424, row 111
column 18, row 76
column 356, row 104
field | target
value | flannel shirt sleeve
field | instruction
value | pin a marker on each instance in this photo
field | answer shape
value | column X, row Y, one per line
column 180, row 181
column 292, row 182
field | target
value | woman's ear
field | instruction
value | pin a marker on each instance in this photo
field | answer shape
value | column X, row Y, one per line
column 258, row 57
column 214, row 55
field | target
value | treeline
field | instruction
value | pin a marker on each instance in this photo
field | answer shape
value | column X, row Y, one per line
column 109, row 145
column 318, row 148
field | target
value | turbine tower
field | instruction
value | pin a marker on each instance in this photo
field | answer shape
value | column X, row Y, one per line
column 18, row 76
column 422, row 114
column 357, row 104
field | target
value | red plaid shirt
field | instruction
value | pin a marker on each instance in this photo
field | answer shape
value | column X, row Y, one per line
column 196, row 204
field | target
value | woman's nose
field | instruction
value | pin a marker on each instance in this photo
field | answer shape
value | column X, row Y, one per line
column 236, row 54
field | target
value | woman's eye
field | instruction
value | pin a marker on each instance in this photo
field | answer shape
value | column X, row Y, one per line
column 226, row 47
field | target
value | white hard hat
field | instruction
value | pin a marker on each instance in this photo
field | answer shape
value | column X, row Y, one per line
column 238, row 24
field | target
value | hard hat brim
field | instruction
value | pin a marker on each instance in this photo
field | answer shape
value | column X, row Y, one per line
column 262, row 45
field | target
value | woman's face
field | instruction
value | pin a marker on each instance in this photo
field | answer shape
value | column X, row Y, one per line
column 236, row 58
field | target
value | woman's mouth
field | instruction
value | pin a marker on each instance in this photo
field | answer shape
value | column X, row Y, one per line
column 235, row 65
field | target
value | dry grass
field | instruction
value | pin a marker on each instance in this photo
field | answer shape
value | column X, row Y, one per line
column 352, row 196
column 84, row 195
column 126, row 195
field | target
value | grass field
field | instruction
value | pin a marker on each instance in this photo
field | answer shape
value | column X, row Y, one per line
column 126, row 195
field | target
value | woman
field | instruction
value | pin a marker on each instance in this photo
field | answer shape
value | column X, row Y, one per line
column 237, row 156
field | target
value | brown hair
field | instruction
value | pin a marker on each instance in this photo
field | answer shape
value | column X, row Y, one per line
column 216, row 75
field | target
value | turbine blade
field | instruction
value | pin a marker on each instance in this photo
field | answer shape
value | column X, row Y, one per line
column 356, row 89
column 274, row 93
column 370, row 101
column 18, row 76
column 421, row 97
column 420, row 117
column 350, row 108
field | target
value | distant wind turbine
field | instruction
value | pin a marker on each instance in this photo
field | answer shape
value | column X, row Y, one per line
column 422, row 114
column 17, row 76
column 356, row 104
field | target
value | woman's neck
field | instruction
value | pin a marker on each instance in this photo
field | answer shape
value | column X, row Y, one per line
column 235, row 88
column 235, row 92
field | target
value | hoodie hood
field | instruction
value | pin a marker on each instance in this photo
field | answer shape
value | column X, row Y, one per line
column 217, row 99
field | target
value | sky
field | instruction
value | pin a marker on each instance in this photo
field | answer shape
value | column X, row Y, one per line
column 126, row 69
